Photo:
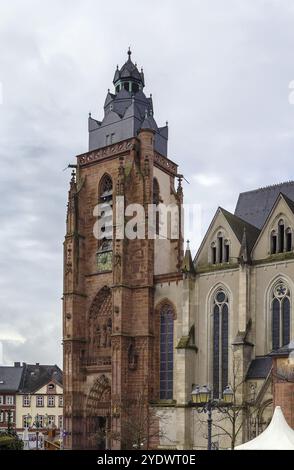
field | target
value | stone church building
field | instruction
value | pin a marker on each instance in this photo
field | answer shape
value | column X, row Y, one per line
column 141, row 318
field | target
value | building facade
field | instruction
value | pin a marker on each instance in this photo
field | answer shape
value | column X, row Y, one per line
column 40, row 396
column 31, row 397
column 10, row 378
column 111, row 332
column 237, row 299
column 140, row 316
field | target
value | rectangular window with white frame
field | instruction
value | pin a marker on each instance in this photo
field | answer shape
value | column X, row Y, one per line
column 51, row 401
column 41, row 421
column 60, row 401
column 1, row 400
column 2, row 417
column 9, row 400
column 51, row 420
column 26, row 400
column 39, row 400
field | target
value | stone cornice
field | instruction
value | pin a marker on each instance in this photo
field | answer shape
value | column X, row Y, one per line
column 165, row 164
column 169, row 277
column 274, row 259
column 105, row 152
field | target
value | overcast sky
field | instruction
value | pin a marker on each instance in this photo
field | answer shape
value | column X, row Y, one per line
column 219, row 72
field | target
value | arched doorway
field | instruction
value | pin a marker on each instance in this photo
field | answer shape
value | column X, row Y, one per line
column 98, row 414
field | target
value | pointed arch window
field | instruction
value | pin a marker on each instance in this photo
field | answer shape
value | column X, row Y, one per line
column 213, row 253
column 274, row 244
column 281, row 231
column 220, row 343
column 288, row 239
column 226, row 251
column 281, row 238
column 220, row 249
column 166, row 351
column 220, row 246
column 104, row 253
column 281, row 313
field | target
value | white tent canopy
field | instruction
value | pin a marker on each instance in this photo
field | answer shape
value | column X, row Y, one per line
column 277, row 436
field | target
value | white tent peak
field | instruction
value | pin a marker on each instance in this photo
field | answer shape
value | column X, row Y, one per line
column 277, row 436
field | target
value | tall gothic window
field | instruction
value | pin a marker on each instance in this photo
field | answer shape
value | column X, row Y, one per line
column 220, row 342
column 166, row 351
column 280, row 311
column 104, row 253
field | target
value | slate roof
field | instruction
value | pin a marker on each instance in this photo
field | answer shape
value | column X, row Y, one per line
column 126, row 113
column 259, row 368
column 36, row 376
column 10, row 378
column 284, row 350
column 289, row 202
column 128, row 70
column 255, row 206
column 237, row 224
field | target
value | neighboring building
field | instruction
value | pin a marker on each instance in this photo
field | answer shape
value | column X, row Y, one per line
column 33, row 390
column 283, row 380
column 40, row 393
column 139, row 315
column 10, row 378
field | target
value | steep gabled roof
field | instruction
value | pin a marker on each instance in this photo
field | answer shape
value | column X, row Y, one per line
column 36, row 376
column 255, row 206
column 288, row 202
column 237, row 225
column 10, row 378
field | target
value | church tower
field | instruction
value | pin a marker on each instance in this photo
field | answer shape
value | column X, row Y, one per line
column 111, row 328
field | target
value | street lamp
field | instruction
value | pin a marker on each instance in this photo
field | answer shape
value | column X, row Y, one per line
column 137, row 445
column 228, row 395
column 36, row 424
column 201, row 398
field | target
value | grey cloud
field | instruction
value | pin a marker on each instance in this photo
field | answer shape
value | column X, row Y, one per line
column 219, row 73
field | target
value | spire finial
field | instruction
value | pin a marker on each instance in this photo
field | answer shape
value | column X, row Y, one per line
column 129, row 53
column 187, row 264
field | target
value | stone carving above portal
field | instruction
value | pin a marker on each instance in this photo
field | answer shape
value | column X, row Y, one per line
column 100, row 322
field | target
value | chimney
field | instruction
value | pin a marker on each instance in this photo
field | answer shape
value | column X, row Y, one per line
column 17, row 364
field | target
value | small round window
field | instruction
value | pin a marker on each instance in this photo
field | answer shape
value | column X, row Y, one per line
column 220, row 297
